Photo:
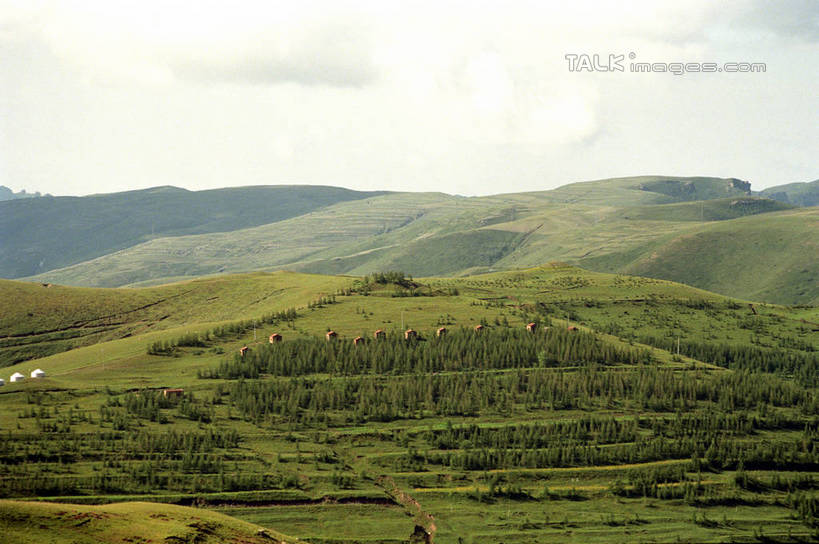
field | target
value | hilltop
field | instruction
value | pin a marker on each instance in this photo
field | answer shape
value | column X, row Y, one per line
column 8, row 194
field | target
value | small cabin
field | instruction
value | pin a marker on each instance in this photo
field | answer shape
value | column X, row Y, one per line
column 275, row 337
column 441, row 332
column 358, row 340
column 243, row 350
column 16, row 377
column 409, row 333
column 478, row 328
column 37, row 373
column 331, row 335
column 572, row 328
column 531, row 327
column 172, row 393
column 379, row 334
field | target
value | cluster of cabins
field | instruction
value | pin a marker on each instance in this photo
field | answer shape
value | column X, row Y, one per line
column 18, row 377
column 380, row 333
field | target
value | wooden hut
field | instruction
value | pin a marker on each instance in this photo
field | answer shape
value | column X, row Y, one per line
column 440, row 332
column 275, row 337
column 172, row 393
column 358, row 340
column 331, row 335
column 531, row 327
column 243, row 350
column 572, row 328
column 409, row 333
column 478, row 328
column 379, row 334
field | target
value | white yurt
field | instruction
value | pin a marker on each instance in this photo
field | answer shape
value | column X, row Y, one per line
column 37, row 373
column 2, row 382
column 17, row 377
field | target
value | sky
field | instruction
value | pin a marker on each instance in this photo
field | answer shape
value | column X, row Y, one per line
column 468, row 98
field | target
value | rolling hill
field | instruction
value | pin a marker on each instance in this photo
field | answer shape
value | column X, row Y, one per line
column 35, row 522
column 611, row 225
column 41, row 234
column 798, row 194
column 631, row 408
column 39, row 320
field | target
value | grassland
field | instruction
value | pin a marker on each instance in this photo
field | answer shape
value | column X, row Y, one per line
column 37, row 522
column 671, row 414
column 76, row 229
column 644, row 225
column 39, row 320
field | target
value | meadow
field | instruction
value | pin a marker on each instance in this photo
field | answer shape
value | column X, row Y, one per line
column 634, row 409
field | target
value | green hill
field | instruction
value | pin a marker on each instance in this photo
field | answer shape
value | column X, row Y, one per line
column 632, row 409
column 39, row 320
column 37, row 522
column 770, row 257
column 641, row 190
column 607, row 225
column 798, row 194
column 41, row 234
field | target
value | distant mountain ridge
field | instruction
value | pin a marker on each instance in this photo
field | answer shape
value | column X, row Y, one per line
column 713, row 233
column 798, row 194
column 46, row 233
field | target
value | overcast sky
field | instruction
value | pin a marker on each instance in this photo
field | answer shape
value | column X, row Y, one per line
column 462, row 97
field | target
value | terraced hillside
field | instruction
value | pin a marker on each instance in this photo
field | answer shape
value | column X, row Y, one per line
column 633, row 225
column 634, row 409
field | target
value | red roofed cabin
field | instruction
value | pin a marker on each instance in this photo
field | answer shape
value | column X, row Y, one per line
column 331, row 335
column 275, row 337
column 172, row 393
column 409, row 333
column 531, row 327
column 358, row 340
column 243, row 350
column 441, row 331
column 478, row 328
column 379, row 334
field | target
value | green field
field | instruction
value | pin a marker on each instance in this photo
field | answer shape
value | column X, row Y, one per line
column 647, row 411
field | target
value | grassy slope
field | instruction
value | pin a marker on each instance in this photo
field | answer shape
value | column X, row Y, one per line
column 36, row 522
column 38, row 321
column 125, row 361
column 75, row 229
column 78, row 381
column 643, row 190
column 606, row 225
column 723, row 257
column 798, row 194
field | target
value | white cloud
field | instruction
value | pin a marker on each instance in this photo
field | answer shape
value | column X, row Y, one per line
column 456, row 96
